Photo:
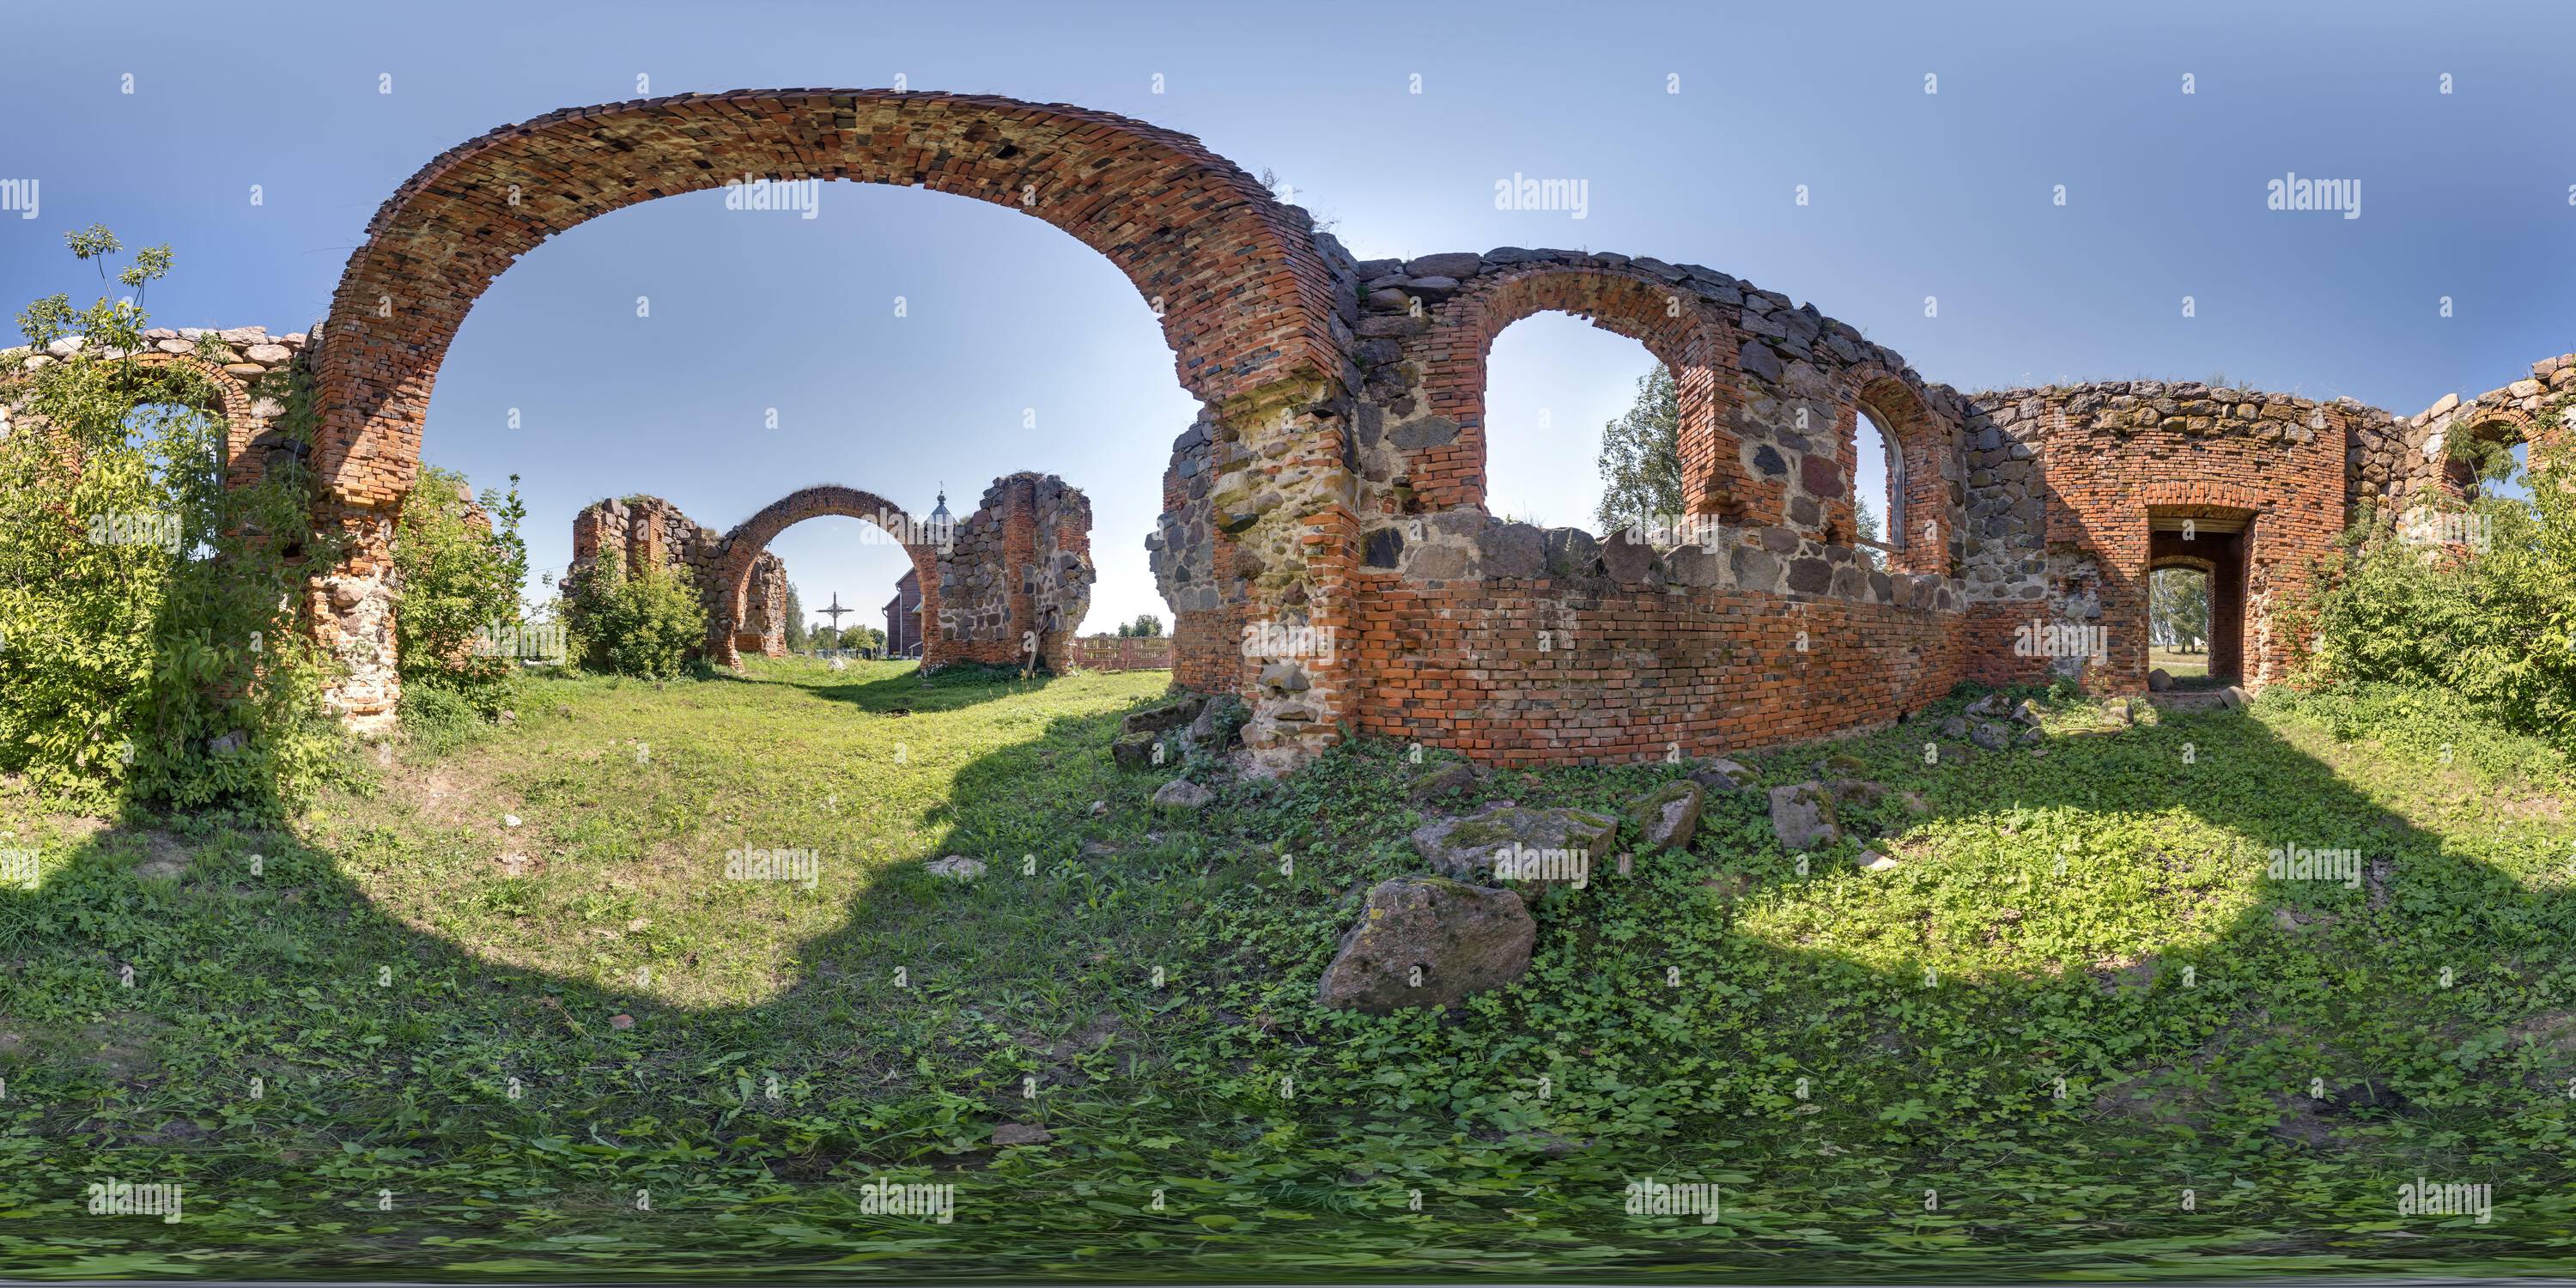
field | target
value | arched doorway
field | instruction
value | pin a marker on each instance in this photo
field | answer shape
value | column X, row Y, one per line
column 919, row 537
column 1243, row 296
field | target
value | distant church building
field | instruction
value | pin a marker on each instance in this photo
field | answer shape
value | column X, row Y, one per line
column 903, row 618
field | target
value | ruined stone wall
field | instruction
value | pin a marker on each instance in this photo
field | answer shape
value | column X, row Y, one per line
column 648, row 531
column 1018, row 570
column 1755, row 618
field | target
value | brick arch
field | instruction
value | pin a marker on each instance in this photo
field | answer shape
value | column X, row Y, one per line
column 2233, row 499
column 1926, row 449
column 1244, row 297
column 743, row 547
column 2474, row 421
column 1683, row 332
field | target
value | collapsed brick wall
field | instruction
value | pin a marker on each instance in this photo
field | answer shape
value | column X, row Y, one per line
column 1753, row 617
column 1324, row 543
column 1015, row 579
column 647, row 531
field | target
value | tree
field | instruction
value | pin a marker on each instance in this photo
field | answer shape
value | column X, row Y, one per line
column 460, row 575
column 1865, row 526
column 794, row 629
column 149, row 647
column 866, row 639
column 641, row 624
column 2178, row 606
column 1641, row 456
column 1146, row 625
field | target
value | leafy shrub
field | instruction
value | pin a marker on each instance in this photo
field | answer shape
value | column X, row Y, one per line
column 2495, row 629
column 640, row 624
column 148, row 644
column 460, row 575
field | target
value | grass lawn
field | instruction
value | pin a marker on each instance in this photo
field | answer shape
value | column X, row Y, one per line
column 2080, row 1028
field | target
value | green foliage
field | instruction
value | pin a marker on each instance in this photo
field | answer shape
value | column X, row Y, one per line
column 1146, row 626
column 869, row 638
column 794, row 631
column 2178, row 606
column 1641, row 460
column 148, row 645
column 2494, row 628
column 641, row 624
column 459, row 579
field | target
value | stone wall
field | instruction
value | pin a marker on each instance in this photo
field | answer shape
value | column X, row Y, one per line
column 648, row 531
column 1324, row 543
column 1016, row 575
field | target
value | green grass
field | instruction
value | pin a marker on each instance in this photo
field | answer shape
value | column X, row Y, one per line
column 2077, row 998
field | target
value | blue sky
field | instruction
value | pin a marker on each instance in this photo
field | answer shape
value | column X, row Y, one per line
column 1022, row 349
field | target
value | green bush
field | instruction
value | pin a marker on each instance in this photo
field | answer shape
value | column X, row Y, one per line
column 149, row 649
column 459, row 579
column 640, row 624
column 2496, row 629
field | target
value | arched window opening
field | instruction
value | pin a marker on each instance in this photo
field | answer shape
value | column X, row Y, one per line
column 1878, row 496
column 1582, row 428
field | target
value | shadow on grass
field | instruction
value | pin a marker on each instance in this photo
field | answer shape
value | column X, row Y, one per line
column 396, row 1049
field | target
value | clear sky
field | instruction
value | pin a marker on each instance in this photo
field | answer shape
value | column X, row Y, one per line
column 1021, row 349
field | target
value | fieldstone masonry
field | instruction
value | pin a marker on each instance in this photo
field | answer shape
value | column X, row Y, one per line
column 1325, row 545
column 648, row 531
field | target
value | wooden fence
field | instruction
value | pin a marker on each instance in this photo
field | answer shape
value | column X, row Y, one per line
column 1123, row 652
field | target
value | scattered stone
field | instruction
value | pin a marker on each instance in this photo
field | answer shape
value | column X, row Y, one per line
column 1100, row 809
column 2233, row 698
column 1447, row 780
column 1915, row 803
column 1990, row 705
column 2024, row 712
column 1169, row 716
column 2031, row 736
column 1721, row 775
column 1560, row 843
column 1668, row 817
column 1802, row 816
column 2159, row 681
column 1873, row 861
column 1181, row 796
column 509, row 820
column 621, row 1020
column 1856, row 791
column 1428, row 941
column 1133, row 751
column 1990, row 736
column 229, row 743
column 165, row 857
column 1021, row 1134
column 1954, row 727
column 956, row 867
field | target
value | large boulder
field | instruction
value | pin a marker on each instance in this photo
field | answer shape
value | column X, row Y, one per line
column 1181, row 796
column 1429, row 941
column 2159, row 681
column 1668, row 817
column 1134, row 751
column 1448, row 780
column 1802, row 816
column 1518, row 843
column 1991, row 736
